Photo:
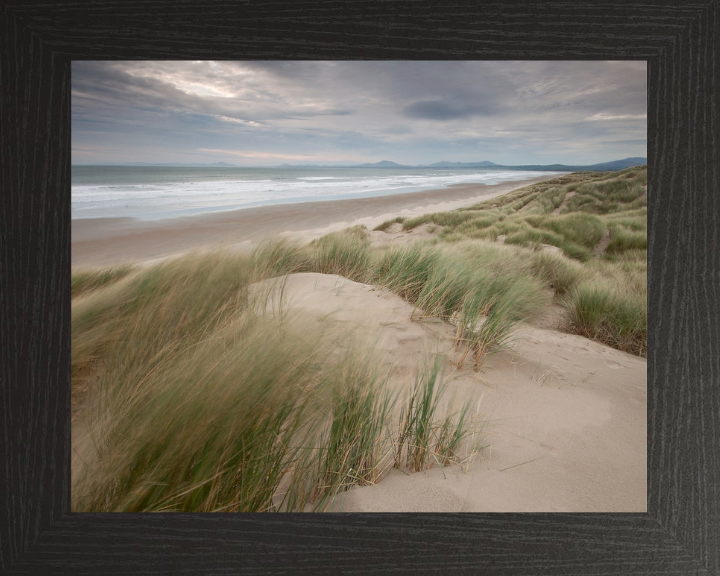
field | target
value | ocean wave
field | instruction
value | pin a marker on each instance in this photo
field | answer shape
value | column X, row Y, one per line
column 147, row 200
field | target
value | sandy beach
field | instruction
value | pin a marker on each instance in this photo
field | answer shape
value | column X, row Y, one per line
column 108, row 241
column 565, row 417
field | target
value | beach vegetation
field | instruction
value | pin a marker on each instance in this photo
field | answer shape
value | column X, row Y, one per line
column 387, row 223
column 204, row 400
column 345, row 253
column 490, row 313
column 597, row 220
column 557, row 271
column 599, row 312
column 198, row 397
column 440, row 219
column 424, row 436
column 84, row 280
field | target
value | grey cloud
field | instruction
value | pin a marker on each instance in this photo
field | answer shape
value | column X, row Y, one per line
column 124, row 86
column 415, row 108
column 440, row 110
column 634, row 142
column 319, row 111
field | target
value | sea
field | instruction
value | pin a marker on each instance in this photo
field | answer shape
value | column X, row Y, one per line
column 159, row 192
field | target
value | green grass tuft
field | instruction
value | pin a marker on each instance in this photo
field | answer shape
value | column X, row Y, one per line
column 426, row 438
column 385, row 225
column 601, row 313
column 83, row 281
column 560, row 273
column 346, row 253
column 488, row 316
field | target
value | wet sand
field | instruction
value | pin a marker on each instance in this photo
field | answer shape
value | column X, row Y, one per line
column 109, row 241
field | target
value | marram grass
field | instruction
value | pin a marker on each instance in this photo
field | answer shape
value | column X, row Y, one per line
column 214, row 403
column 424, row 437
column 202, row 400
column 84, row 280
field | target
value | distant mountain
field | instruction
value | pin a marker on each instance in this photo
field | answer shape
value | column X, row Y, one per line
column 602, row 167
column 381, row 164
column 620, row 164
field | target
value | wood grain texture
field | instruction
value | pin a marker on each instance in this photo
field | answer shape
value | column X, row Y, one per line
column 680, row 533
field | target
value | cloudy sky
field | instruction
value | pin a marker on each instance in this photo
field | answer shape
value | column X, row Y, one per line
column 268, row 113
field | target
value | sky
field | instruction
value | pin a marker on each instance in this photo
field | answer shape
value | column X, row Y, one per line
column 265, row 113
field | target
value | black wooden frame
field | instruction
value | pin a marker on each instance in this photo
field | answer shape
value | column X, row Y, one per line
column 679, row 534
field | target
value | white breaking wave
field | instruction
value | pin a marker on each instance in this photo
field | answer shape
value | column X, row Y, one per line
column 162, row 200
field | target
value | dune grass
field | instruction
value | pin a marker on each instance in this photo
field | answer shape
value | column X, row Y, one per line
column 424, row 437
column 443, row 291
column 610, row 303
column 439, row 218
column 84, row 280
column 414, row 444
column 210, row 429
column 574, row 213
column 343, row 253
column 602, row 313
column 134, row 323
column 385, row 225
column 203, row 400
column 625, row 238
column 406, row 270
column 558, row 272
column 466, row 279
column 278, row 257
column 489, row 314
column 356, row 448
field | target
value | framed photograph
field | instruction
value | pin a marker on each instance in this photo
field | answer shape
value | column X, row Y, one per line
column 520, row 165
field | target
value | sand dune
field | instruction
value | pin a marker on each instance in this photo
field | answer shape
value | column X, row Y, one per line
column 566, row 417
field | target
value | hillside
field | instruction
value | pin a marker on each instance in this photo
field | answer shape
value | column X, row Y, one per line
column 596, row 221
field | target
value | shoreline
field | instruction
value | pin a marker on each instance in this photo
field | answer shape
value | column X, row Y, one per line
column 111, row 241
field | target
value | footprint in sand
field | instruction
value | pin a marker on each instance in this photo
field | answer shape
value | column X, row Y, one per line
column 614, row 365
